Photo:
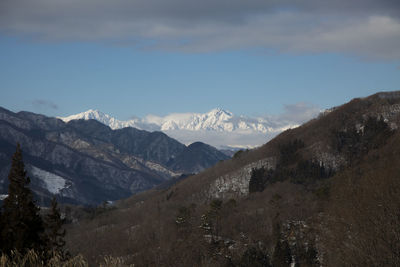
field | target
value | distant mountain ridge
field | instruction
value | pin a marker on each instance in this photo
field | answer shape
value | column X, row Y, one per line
column 86, row 162
column 181, row 125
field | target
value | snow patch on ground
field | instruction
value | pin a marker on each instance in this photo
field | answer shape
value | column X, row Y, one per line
column 236, row 184
column 160, row 169
column 54, row 183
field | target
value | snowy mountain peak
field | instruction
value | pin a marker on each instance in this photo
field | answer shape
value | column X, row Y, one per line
column 94, row 114
column 219, row 115
column 220, row 112
column 86, row 115
column 217, row 127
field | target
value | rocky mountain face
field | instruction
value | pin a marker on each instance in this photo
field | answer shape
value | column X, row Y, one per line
column 326, row 193
column 86, row 162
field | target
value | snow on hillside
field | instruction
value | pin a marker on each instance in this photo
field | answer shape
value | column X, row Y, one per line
column 53, row 182
column 217, row 127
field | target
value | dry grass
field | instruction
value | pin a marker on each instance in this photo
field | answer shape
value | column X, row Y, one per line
column 31, row 258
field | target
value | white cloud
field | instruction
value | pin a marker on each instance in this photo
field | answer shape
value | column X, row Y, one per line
column 222, row 139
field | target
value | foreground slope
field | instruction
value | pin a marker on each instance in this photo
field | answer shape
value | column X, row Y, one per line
column 326, row 192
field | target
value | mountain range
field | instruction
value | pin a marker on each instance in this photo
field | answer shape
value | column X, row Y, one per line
column 217, row 127
column 87, row 162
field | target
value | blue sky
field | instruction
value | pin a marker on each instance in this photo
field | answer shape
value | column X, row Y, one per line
column 250, row 60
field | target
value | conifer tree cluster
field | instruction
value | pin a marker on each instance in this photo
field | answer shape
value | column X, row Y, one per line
column 54, row 232
column 21, row 226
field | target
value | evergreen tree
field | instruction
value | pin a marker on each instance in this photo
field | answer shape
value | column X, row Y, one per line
column 257, row 180
column 1, row 235
column 311, row 256
column 306, row 255
column 254, row 257
column 211, row 219
column 282, row 255
column 55, row 233
column 22, row 226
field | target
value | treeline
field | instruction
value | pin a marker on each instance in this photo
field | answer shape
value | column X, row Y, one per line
column 353, row 142
column 290, row 166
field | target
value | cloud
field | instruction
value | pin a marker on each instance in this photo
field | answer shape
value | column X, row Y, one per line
column 365, row 28
column 221, row 139
column 44, row 104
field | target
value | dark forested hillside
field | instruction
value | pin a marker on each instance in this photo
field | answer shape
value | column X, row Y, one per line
column 195, row 156
column 85, row 162
column 325, row 193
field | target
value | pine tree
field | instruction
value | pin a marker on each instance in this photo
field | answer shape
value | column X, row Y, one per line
column 282, row 255
column 22, row 226
column 254, row 257
column 1, row 235
column 311, row 256
column 55, row 233
column 257, row 180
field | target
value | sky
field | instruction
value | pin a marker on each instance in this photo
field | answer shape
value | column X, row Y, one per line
column 139, row 57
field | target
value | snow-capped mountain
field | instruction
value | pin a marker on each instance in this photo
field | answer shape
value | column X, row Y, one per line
column 217, row 127
column 215, row 120
column 106, row 119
